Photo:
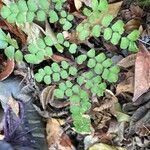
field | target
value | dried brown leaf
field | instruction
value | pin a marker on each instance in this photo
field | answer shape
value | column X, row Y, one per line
column 128, row 61
column 142, row 72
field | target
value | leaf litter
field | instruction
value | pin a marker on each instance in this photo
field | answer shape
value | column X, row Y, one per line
column 120, row 118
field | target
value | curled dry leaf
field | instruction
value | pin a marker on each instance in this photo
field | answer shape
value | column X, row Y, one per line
column 58, row 58
column 136, row 11
column 142, row 72
column 78, row 4
column 132, row 25
column 55, row 137
column 128, row 61
column 6, row 67
column 127, row 85
column 47, row 97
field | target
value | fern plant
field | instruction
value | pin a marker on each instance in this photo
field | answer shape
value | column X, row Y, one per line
column 80, row 87
column 10, row 46
column 111, row 32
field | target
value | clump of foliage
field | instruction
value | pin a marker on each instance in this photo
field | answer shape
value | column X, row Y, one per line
column 10, row 46
column 111, row 32
column 82, row 86
column 144, row 2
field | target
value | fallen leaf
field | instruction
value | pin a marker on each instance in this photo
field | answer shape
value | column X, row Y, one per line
column 142, row 72
column 128, row 61
column 6, row 67
column 127, row 85
column 55, row 137
column 13, row 104
column 78, row 4
column 101, row 146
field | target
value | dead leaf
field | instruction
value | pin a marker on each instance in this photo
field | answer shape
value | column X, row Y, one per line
column 101, row 146
column 46, row 95
column 6, row 68
column 55, row 137
column 136, row 11
column 132, row 25
column 13, row 104
column 127, row 85
column 142, row 72
column 78, row 4
column 128, row 61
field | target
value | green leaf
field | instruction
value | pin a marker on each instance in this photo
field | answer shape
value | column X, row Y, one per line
column 38, row 77
column 66, row 44
column 105, row 74
column 73, row 48
column 40, row 55
column 40, row 43
column 48, row 51
column 83, row 35
column 103, row 5
column 91, row 63
column 134, row 35
column 44, row 4
column 118, row 27
column 102, row 86
column 94, row 5
column 124, row 43
column 21, row 18
column 32, row 49
column 107, row 63
column 12, row 18
column 115, row 38
column 59, row 93
column 59, row 48
column 76, row 89
column 80, row 80
column 91, row 53
column 112, row 77
column 64, row 74
column 68, row 92
column 53, row 16
column 63, row 14
column 96, row 30
column 41, row 16
column 72, row 71
column 60, row 38
column 42, row 72
column 5, row 12
column 55, row 67
column 3, row 36
column 56, row 77
column 67, row 26
column 64, row 64
column 74, row 99
column 115, row 69
column 133, row 47
column 87, row 12
column 14, row 8
column 97, row 80
column 32, row 5
column 10, row 52
column 107, row 20
column 22, row 6
column 30, row 16
column 70, row 17
column 81, row 58
column 48, row 70
column 107, row 34
column 88, row 75
column 98, row 68
column 62, row 86
column 69, row 84
column 3, row 44
column 48, row 40
column 18, row 56
column 79, row 28
column 47, row 79
column 31, row 58
column 89, row 84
